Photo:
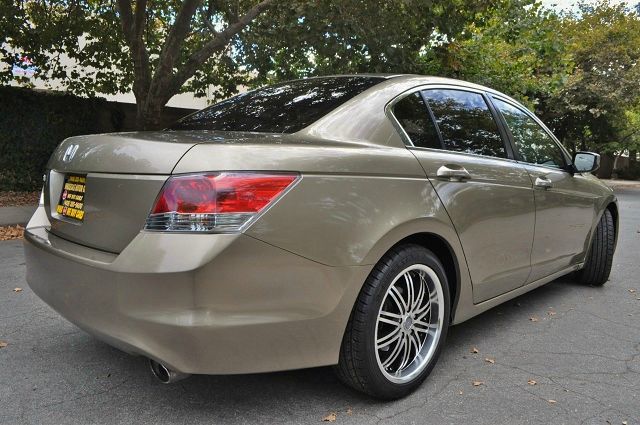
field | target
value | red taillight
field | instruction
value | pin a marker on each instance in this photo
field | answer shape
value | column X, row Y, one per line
column 211, row 202
column 192, row 194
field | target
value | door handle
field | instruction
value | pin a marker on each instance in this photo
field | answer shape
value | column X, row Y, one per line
column 453, row 172
column 543, row 183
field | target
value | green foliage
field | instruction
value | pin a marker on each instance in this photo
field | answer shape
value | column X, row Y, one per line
column 306, row 38
column 517, row 51
column 578, row 70
column 32, row 124
column 89, row 33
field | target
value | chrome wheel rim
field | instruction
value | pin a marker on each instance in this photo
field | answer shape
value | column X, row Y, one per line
column 409, row 323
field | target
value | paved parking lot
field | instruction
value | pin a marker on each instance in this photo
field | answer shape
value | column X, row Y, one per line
column 563, row 353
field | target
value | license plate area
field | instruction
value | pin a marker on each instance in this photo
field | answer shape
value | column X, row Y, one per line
column 71, row 201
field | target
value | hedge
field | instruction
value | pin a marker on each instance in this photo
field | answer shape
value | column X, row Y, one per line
column 32, row 124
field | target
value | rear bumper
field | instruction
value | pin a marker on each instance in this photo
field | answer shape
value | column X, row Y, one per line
column 208, row 304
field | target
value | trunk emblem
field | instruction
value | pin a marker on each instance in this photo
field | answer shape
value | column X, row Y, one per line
column 69, row 153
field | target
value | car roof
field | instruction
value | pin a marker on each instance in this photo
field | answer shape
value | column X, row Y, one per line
column 418, row 79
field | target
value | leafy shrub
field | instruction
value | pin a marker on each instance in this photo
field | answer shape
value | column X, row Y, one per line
column 32, row 124
column 632, row 172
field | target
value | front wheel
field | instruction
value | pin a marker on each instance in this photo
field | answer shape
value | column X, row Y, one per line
column 398, row 326
column 597, row 265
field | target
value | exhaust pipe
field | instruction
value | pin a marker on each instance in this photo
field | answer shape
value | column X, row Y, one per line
column 164, row 374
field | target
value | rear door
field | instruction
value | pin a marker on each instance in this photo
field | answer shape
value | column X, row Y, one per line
column 454, row 134
column 565, row 206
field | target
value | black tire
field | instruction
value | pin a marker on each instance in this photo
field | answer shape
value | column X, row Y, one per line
column 358, row 364
column 598, row 262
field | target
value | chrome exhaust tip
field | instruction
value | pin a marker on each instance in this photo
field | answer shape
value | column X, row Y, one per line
column 164, row 374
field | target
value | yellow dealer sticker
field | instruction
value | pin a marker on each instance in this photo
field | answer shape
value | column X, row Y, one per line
column 71, row 202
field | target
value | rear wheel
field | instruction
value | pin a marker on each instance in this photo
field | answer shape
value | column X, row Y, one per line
column 398, row 325
column 598, row 262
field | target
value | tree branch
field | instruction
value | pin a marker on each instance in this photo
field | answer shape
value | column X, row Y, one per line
column 210, row 26
column 171, row 49
column 207, row 18
column 133, row 31
column 216, row 44
column 126, row 17
column 141, row 8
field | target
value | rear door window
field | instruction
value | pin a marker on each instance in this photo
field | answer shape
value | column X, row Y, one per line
column 413, row 115
column 465, row 122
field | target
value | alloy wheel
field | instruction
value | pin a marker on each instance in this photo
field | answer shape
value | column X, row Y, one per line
column 409, row 323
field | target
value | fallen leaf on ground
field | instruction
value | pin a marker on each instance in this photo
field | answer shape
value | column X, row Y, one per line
column 8, row 233
column 17, row 289
column 531, row 382
column 488, row 360
column 533, row 318
column 11, row 198
column 478, row 383
column 3, row 344
column 552, row 401
column 331, row 417
column 475, row 350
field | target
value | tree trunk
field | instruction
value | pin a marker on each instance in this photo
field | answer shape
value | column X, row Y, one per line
column 149, row 115
column 607, row 163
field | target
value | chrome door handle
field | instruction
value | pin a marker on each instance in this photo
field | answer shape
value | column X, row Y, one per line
column 452, row 172
column 543, row 183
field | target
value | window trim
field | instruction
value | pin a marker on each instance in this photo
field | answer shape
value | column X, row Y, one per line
column 568, row 166
column 423, row 87
column 403, row 133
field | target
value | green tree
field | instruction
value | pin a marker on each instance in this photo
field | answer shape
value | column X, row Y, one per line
column 307, row 38
column 516, row 51
column 591, row 108
column 158, row 48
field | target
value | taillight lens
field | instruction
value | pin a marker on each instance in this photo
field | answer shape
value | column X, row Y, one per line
column 222, row 202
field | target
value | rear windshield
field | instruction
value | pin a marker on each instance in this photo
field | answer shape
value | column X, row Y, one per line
column 282, row 108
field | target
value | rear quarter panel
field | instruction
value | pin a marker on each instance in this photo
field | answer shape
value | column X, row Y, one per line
column 353, row 203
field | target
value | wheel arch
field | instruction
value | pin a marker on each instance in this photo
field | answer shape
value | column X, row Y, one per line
column 439, row 238
column 443, row 250
column 612, row 206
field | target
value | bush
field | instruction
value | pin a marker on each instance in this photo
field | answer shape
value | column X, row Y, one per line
column 32, row 124
column 632, row 172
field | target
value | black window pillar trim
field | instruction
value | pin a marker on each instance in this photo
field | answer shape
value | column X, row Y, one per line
column 507, row 137
column 432, row 117
column 504, row 128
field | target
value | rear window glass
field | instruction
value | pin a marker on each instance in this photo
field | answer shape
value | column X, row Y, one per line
column 281, row 108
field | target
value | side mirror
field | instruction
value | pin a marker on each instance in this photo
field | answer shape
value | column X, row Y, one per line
column 586, row 162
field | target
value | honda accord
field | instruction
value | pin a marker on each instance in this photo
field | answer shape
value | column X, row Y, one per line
column 343, row 220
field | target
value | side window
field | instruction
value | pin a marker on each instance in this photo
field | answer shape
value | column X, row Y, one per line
column 413, row 116
column 465, row 122
column 533, row 143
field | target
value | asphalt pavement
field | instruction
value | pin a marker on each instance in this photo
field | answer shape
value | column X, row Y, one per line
column 564, row 353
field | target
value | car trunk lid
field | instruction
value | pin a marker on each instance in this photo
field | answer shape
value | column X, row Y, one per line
column 109, row 183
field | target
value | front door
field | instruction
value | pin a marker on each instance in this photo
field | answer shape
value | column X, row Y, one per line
column 488, row 196
column 565, row 210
